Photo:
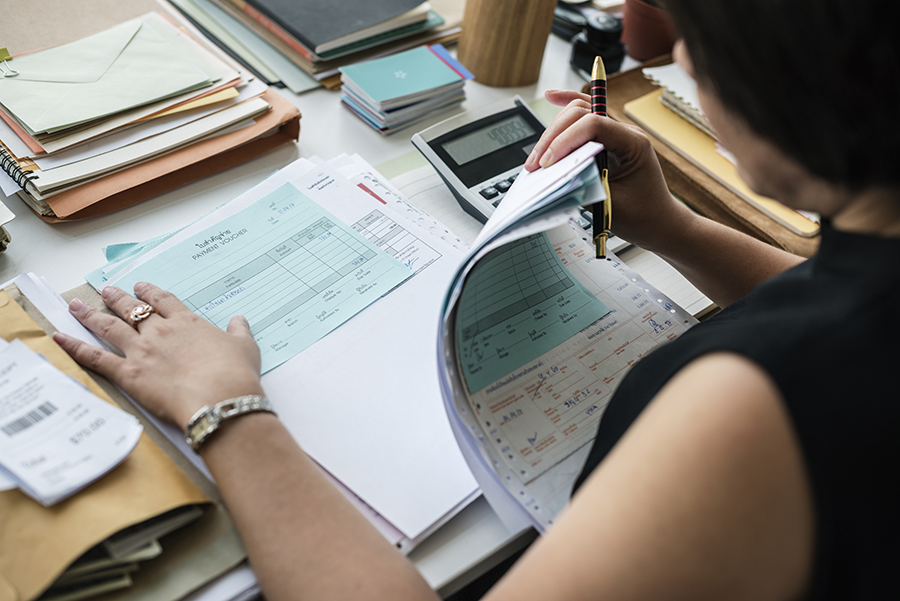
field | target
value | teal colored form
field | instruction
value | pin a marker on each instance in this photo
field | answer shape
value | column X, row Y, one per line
column 290, row 267
column 518, row 303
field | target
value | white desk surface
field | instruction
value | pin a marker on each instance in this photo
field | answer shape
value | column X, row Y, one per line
column 63, row 253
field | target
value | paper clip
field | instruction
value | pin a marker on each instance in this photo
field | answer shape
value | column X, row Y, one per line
column 4, row 64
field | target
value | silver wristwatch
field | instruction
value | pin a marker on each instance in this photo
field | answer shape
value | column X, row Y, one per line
column 208, row 419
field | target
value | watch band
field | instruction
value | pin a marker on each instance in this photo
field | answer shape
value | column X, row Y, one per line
column 208, row 419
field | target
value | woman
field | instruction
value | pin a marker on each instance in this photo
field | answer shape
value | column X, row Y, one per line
column 743, row 460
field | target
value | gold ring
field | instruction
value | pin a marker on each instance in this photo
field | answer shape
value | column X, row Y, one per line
column 140, row 313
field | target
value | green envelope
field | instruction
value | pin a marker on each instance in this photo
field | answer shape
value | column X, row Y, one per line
column 123, row 67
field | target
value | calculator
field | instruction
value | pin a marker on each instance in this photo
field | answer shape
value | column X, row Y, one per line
column 479, row 153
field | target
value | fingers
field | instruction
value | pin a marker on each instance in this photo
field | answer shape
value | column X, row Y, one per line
column 163, row 301
column 575, row 125
column 239, row 326
column 574, row 110
column 564, row 97
column 106, row 326
column 119, row 301
column 586, row 128
column 91, row 357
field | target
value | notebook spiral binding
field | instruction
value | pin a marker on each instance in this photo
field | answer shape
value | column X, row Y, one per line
column 9, row 164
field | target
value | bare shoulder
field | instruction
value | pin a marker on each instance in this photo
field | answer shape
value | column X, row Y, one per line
column 706, row 496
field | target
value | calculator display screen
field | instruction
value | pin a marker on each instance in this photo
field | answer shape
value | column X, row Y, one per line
column 479, row 143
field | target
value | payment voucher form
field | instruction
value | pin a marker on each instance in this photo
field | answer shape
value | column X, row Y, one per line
column 290, row 267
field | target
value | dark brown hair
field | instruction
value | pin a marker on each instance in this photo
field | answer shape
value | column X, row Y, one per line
column 819, row 78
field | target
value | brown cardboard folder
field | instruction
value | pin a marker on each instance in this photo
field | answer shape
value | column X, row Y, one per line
column 696, row 187
column 38, row 543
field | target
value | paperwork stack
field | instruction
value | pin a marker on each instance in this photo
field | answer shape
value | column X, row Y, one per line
column 124, row 113
column 395, row 92
column 330, row 265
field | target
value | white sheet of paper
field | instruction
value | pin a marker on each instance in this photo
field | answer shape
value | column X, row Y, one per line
column 426, row 190
column 8, row 187
column 55, row 436
column 365, row 176
column 530, row 187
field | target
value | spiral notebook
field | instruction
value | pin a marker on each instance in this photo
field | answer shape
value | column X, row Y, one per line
column 680, row 94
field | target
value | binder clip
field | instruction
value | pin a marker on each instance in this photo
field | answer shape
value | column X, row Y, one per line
column 4, row 64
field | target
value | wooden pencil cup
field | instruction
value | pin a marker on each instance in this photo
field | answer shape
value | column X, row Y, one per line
column 502, row 41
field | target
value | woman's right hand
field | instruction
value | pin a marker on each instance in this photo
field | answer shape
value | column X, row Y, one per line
column 644, row 211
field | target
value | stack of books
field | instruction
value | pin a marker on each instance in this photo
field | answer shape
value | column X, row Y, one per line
column 302, row 44
column 125, row 113
column 397, row 91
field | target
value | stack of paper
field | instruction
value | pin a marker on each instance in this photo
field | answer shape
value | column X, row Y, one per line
column 375, row 270
column 98, row 572
column 76, row 115
column 111, row 565
column 397, row 91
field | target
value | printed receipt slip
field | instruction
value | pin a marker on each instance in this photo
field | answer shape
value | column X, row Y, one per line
column 56, row 437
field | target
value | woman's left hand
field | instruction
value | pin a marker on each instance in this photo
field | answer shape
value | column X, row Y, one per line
column 175, row 362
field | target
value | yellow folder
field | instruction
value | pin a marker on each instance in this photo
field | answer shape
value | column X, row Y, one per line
column 38, row 543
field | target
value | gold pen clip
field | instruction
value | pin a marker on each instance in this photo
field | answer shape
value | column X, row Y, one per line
column 603, row 227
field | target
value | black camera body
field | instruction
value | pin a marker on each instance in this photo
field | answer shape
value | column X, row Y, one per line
column 601, row 36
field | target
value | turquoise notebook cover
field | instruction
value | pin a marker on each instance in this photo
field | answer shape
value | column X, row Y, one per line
column 405, row 73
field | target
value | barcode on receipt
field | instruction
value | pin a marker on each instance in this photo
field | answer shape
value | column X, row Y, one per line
column 29, row 419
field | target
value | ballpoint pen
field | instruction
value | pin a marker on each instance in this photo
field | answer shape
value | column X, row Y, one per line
column 602, row 211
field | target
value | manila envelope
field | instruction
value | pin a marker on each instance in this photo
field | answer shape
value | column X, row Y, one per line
column 37, row 543
column 126, row 66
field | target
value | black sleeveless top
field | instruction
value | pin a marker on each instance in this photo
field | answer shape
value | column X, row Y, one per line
column 828, row 333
